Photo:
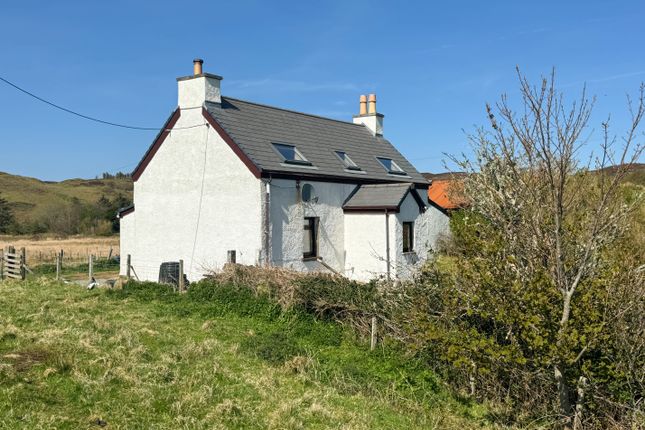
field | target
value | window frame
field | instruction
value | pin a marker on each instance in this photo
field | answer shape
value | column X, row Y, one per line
column 351, row 165
column 310, row 227
column 410, row 240
column 397, row 171
column 296, row 151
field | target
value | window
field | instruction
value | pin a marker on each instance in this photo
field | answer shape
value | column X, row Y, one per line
column 310, row 238
column 390, row 166
column 347, row 162
column 408, row 237
column 290, row 154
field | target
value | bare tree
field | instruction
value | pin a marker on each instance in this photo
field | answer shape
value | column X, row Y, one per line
column 555, row 215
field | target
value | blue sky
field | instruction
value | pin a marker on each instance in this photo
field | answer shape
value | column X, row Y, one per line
column 433, row 65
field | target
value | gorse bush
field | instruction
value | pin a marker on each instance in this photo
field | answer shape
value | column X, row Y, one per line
column 495, row 336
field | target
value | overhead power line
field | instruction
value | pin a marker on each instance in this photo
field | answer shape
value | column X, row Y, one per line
column 101, row 121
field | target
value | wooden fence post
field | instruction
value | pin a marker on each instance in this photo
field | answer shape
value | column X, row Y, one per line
column 91, row 266
column 59, row 258
column 1, row 264
column 127, row 269
column 23, row 263
column 373, row 337
column 181, row 276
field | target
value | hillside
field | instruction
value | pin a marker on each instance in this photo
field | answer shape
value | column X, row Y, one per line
column 34, row 201
column 215, row 358
column 636, row 174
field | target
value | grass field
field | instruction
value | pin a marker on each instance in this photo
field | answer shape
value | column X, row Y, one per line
column 147, row 358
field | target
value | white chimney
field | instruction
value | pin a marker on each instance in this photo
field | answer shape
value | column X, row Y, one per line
column 368, row 116
column 198, row 88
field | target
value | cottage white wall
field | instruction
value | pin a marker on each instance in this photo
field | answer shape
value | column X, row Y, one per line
column 287, row 213
column 352, row 243
column 429, row 227
column 365, row 245
column 195, row 201
column 126, row 229
column 405, row 264
column 438, row 227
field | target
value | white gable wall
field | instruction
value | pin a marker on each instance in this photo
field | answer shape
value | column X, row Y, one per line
column 194, row 201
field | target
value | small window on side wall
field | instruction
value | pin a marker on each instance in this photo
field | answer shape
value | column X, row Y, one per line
column 408, row 237
column 310, row 238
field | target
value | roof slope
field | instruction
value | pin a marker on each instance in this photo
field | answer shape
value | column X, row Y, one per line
column 379, row 196
column 441, row 192
column 254, row 127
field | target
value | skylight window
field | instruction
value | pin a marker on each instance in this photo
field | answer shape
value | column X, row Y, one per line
column 290, row 154
column 347, row 162
column 391, row 166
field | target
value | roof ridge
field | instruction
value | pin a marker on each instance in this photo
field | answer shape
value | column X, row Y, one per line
column 293, row 111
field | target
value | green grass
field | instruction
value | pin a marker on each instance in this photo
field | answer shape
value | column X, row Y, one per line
column 99, row 265
column 147, row 358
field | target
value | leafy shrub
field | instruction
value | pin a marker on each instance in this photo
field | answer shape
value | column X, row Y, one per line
column 495, row 336
column 232, row 298
column 329, row 297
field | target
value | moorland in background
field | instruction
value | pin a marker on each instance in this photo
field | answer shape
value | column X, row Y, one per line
column 29, row 206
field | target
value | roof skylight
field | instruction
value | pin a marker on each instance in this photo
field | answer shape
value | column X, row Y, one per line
column 347, row 161
column 391, row 166
column 290, row 154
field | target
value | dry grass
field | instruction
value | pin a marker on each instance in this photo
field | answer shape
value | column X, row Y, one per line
column 82, row 358
column 76, row 249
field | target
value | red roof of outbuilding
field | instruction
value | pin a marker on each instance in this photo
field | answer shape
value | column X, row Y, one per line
column 440, row 193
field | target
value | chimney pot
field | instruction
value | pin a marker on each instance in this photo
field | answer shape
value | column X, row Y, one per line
column 363, row 105
column 372, row 104
column 370, row 119
column 197, row 66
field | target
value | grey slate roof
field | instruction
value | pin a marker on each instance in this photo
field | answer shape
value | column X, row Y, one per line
column 255, row 127
column 378, row 196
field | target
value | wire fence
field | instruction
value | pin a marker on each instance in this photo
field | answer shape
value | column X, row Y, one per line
column 75, row 256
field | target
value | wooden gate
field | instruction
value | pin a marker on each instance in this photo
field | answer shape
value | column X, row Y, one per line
column 13, row 264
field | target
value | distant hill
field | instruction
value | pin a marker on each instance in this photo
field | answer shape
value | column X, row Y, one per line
column 636, row 174
column 444, row 175
column 33, row 201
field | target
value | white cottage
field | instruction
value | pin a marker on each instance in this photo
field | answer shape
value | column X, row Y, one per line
column 276, row 187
